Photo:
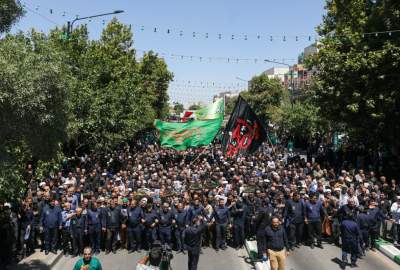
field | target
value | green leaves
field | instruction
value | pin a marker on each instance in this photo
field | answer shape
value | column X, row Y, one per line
column 178, row 108
column 33, row 91
column 356, row 82
column 265, row 96
column 33, row 106
column 114, row 96
column 77, row 92
column 10, row 12
column 302, row 119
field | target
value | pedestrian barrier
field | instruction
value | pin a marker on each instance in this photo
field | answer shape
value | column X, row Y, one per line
column 251, row 247
column 389, row 250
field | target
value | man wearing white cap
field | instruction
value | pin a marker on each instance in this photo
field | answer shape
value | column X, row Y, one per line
column 395, row 211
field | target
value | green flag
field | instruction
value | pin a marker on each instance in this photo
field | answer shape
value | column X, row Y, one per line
column 181, row 136
column 212, row 111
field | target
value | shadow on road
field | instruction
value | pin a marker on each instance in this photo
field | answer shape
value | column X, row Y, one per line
column 246, row 259
column 337, row 261
column 32, row 265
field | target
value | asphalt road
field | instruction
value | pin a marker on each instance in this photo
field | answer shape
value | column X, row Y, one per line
column 328, row 258
column 210, row 260
column 304, row 258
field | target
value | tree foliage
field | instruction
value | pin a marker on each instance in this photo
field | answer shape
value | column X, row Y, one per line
column 33, row 105
column 115, row 96
column 230, row 104
column 155, row 79
column 10, row 12
column 33, row 97
column 194, row 107
column 91, row 93
column 358, row 74
column 178, row 108
column 302, row 120
column 266, row 96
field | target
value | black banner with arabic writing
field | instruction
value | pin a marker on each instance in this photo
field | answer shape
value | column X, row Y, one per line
column 244, row 132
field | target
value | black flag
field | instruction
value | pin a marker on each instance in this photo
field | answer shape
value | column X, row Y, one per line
column 244, row 133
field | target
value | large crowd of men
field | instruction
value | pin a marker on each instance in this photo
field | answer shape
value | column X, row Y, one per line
column 131, row 197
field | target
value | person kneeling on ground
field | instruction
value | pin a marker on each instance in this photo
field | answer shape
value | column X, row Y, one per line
column 87, row 262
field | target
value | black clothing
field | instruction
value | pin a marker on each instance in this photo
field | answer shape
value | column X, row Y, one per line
column 78, row 225
column 276, row 238
column 192, row 240
column 134, row 228
column 262, row 220
column 345, row 210
column 295, row 211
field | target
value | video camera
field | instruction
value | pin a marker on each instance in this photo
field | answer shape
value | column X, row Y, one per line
column 166, row 255
column 160, row 255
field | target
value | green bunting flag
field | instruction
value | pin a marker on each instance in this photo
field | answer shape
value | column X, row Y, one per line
column 212, row 111
column 199, row 132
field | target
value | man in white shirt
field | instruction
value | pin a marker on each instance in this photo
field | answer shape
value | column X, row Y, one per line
column 70, row 180
column 395, row 211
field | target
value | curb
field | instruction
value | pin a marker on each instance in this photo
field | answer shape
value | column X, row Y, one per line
column 38, row 257
column 251, row 247
column 55, row 260
column 389, row 250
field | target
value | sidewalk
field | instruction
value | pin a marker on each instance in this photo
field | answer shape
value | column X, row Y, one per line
column 38, row 261
column 389, row 250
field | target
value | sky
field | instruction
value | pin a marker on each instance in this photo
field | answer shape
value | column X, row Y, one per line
column 206, row 37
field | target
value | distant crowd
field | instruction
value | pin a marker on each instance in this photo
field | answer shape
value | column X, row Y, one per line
column 133, row 196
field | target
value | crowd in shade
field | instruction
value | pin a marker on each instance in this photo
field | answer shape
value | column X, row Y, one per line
column 133, row 196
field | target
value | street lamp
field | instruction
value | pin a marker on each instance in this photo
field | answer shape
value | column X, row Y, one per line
column 70, row 24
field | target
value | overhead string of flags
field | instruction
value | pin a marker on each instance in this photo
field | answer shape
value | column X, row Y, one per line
column 180, row 33
column 188, row 86
column 200, row 83
column 218, row 59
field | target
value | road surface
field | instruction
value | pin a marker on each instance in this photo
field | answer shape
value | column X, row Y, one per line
column 304, row 258
column 328, row 258
column 210, row 260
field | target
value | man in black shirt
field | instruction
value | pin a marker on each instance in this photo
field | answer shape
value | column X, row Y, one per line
column 192, row 239
column 294, row 214
column 221, row 215
column 276, row 242
column 111, row 224
column 262, row 220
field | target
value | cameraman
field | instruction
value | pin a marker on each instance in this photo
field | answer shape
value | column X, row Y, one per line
column 160, row 255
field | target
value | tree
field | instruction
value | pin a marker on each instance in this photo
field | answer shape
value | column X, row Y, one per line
column 178, row 108
column 266, row 96
column 33, row 106
column 194, row 107
column 230, row 104
column 114, row 96
column 155, row 79
column 88, row 93
column 11, row 11
column 302, row 120
column 357, row 78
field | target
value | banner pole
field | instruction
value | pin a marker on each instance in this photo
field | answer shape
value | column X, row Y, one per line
column 269, row 139
column 202, row 152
